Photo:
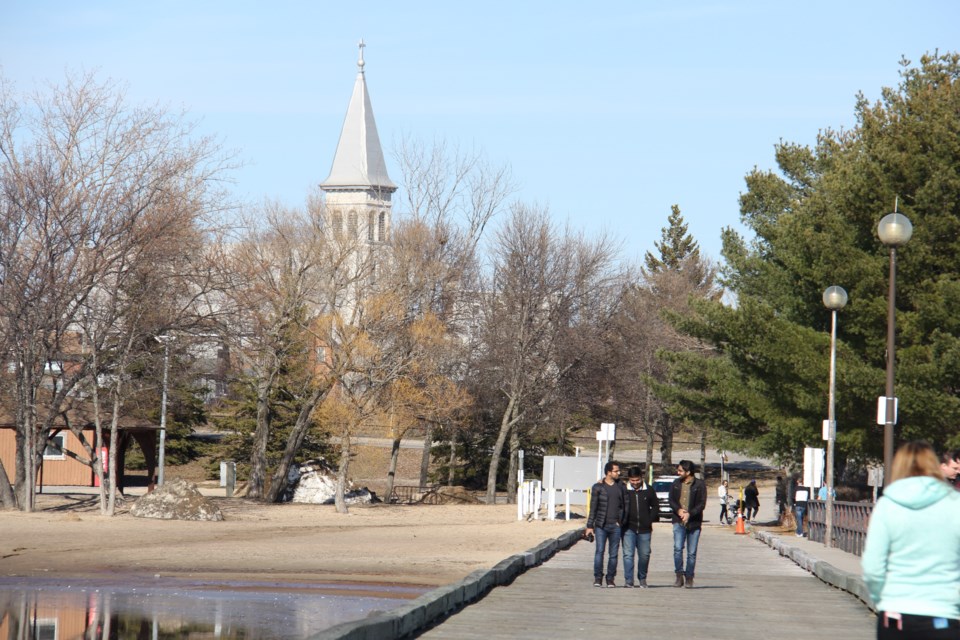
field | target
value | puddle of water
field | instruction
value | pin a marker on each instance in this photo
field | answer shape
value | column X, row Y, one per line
column 34, row 609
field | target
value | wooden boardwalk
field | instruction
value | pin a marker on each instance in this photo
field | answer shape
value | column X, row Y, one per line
column 744, row 591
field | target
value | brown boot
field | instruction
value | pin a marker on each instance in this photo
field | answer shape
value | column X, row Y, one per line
column 679, row 582
column 689, row 583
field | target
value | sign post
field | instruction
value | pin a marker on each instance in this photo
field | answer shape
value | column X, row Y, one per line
column 608, row 432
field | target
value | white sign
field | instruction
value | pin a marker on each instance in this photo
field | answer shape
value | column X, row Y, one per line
column 882, row 410
column 875, row 476
column 608, row 431
column 812, row 467
column 828, row 433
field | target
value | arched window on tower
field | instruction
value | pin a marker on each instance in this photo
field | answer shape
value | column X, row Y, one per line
column 382, row 227
column 336, row 223
column 371, row 227
column 352, row 224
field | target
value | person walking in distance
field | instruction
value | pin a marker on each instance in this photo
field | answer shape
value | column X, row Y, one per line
column 688, row 499
column 911, row 559
column 800, row 498
column 723, row 494
column 641, row 512
column 781, row 494
column 607, row 505
column 751, row 501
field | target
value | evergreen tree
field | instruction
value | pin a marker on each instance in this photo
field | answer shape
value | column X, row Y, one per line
column 676, row 245
column 815, row 226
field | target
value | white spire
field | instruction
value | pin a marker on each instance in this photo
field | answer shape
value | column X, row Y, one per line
column 359, row 161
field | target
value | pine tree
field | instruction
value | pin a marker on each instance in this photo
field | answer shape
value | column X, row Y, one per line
column 676, row 245
column 814, row 225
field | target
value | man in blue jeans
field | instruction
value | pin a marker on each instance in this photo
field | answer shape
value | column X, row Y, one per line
column 607, row 503
column 642, row 511
column 688, row 499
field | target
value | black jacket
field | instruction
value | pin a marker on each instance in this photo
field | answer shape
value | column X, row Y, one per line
column 599, row 498
column 643, row 509
column 698, row 502
column 751, row 496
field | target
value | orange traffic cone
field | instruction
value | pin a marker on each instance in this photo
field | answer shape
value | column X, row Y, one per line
column 740, row 528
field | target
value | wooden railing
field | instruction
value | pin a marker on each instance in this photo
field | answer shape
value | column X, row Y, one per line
column 849, row 524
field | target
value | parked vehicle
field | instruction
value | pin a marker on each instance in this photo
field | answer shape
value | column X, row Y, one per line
column 661, row 485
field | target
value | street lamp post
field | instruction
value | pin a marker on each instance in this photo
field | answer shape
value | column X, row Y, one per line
column 894, row 231
column 165, row 340
column 834, row 298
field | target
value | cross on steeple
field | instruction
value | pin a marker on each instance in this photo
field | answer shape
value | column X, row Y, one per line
column 360, row 62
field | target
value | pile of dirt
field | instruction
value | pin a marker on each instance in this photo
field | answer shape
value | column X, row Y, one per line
column 455, row 495
column 176, row 500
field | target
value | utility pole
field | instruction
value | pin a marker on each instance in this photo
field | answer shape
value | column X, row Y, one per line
column 165, row 341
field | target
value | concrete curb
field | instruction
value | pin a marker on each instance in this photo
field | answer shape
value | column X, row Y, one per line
column 844, row 580
column 443, row 601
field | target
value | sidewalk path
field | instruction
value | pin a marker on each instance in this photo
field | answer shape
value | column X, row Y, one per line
column 744, row 591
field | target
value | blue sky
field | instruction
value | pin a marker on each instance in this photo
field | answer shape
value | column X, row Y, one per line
column 608, row 113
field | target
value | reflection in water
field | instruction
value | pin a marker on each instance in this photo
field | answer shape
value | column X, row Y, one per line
column 90, row 610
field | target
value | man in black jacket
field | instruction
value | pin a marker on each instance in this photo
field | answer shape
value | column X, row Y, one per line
column 642, row 511
column 688, row 499
column 607, row 504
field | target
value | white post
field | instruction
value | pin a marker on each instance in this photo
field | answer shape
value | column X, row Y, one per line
column 520, row 509
column 519, row 502
column 599, row 458
column 566, row 493
column 552, row 489
column 537, row 488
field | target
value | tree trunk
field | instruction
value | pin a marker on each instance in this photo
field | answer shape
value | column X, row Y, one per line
column 8, row 500
column 392, row 473
column 425, row 459
column 651, row 439
column 339, row 496
column 497, row 450
column 278, row 484
column 452, row 462
column 703, row 454
column 666, row 443
column 26, row 424
column 20, row 462
column 513, row 467
column 114, row 438
column 258, row 455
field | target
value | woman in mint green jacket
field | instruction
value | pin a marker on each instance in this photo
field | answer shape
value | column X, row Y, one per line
column 911, row 561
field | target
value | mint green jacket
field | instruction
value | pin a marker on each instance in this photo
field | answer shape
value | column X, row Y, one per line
column 911, row 561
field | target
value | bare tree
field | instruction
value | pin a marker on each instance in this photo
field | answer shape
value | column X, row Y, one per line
column 541, row 284
column 83, row 179
column 451, row 197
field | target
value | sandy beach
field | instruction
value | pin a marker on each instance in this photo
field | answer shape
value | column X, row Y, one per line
column 427, row 545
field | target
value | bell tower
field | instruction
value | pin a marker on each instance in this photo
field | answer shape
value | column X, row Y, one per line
column 358, row 191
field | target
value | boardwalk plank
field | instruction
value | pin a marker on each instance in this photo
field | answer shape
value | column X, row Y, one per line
column 744, row 591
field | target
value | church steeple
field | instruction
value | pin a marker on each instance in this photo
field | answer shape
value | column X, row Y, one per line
column 359, row 163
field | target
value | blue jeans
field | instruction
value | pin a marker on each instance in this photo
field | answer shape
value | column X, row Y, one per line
column 608, row 534
column 800, row 509
column 691, row 538
column 640, row 543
